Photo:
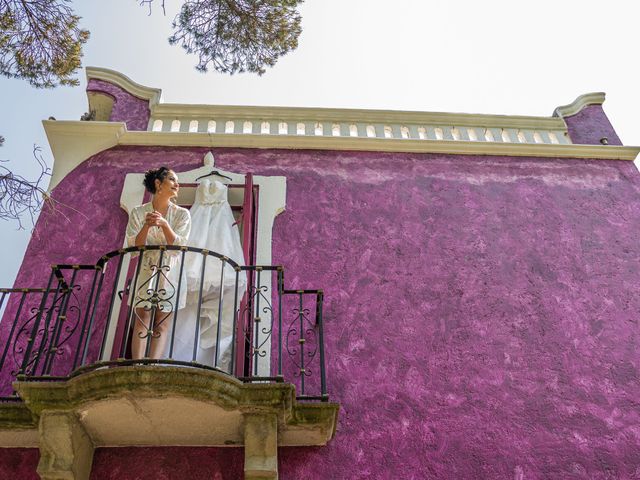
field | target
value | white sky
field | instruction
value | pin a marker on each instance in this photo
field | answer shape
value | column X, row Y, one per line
column 492, row 56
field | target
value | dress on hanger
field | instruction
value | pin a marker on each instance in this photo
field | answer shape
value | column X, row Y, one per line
column 212, row 228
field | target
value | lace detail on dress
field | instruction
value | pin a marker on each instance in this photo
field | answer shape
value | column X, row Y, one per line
column 211, row 193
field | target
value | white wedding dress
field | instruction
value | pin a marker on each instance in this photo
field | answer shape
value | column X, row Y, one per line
column 212, row 228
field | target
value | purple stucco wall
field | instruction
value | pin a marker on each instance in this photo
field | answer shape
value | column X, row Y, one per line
column 127, row 108
column 590, row 125
column 19, row 463
column 481, row 316
column 167, row 463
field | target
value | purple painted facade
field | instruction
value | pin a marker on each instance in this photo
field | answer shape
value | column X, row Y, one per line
column 127, row 108
column 19, row 463
column 167, row 463
column 481, row 316
column 590, row 125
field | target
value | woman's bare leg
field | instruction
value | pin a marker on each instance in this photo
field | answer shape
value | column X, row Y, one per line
column 160, row 334
column 140, row 329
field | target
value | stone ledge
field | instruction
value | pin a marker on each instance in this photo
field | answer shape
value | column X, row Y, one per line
column 18, row 428
column 160, row 405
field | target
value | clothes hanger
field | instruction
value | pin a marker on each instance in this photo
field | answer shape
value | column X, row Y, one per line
column 214, row 172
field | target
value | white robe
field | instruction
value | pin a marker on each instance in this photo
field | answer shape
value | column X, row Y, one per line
column 153, row 277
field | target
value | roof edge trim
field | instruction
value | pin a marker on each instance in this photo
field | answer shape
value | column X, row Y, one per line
column 593, row 98
column 124, row 82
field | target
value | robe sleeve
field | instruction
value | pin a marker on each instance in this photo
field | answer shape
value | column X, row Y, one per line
column 182, row 227
column 134, row 226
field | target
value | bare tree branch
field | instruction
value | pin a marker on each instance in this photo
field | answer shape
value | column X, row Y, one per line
column 20, row 197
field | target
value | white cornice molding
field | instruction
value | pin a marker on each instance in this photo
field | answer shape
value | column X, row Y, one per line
column 355, row 115
column 594, row 98
column 72, row 142
column 124, row 82
column 452, row 147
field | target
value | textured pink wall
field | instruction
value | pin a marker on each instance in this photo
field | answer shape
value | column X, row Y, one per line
column 167, row 463
column 590, row 125
column 132, row 110
column 481, row 312
column 19, row 463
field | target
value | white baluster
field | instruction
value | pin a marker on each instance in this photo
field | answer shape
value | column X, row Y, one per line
column 528, row 136
column 545, row 136
column 496, row 133
column 202, row 125
column 463, row 133
column 472, row 133
column 447, row 133
column 310, row 128
column 481, row 134
column 513, row 135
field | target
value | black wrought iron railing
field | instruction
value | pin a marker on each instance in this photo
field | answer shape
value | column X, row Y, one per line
column 168, row 305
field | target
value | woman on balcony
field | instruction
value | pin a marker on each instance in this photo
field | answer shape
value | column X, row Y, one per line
column 159, row 222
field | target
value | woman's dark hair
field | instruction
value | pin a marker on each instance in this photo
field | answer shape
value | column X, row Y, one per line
column 152, row 175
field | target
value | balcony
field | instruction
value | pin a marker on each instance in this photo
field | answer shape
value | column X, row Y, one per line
column 242, row 364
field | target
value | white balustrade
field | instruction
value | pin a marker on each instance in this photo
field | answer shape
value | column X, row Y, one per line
column 234, row 124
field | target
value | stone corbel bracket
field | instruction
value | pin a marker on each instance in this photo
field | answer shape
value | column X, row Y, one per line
column 169, row 406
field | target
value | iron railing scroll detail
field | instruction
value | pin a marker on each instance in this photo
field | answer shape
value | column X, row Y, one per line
column 162, row 304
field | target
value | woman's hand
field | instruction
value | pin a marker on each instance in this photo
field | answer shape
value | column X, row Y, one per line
column 150, row 219
column 155, row 219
